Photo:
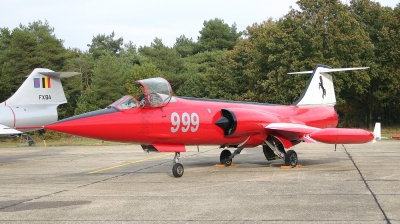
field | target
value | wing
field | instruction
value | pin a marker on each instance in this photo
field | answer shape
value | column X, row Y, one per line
column 297, row 132
column 292, row 132
column 4, row 131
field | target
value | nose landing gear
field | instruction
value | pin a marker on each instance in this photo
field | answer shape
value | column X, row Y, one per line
column 177, row 169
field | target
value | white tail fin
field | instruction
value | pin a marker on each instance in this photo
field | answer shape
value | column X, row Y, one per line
column 377, row 131
column 43, row 86
column 320, row 89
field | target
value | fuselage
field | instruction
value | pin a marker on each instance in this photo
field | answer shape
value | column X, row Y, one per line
column 27, row 118
column 187, row 121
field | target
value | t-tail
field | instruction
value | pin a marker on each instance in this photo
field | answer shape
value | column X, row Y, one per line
column 34, row 104
column 320, row 89
column 42, row 87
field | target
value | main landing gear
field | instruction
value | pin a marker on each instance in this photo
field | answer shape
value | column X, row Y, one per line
column 177, row 169
column 273, row 149
column 226, row 156
column 291, row 158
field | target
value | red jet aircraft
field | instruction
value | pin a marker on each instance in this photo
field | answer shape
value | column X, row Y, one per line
column 165, row 123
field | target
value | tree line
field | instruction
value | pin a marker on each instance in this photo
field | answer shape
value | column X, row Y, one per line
column 225, row 63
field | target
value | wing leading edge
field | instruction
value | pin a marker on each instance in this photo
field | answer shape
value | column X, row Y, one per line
column 293, row 132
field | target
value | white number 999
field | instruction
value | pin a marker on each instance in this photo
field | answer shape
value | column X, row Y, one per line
column 188, row 121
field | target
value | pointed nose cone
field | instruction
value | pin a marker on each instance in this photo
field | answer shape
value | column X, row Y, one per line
column 68, row 127
column 223, row 123
column 90, row 124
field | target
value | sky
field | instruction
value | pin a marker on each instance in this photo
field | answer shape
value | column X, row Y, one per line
column 76, row 22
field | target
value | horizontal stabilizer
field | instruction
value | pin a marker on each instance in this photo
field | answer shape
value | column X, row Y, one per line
column 329, row 70
column 320, row 90
column 41, row 87
column 295, row 73
column 60, row 74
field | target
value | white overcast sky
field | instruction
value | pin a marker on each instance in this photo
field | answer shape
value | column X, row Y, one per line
column 77, row 21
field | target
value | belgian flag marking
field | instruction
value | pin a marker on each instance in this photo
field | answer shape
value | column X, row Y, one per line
column 46, row 83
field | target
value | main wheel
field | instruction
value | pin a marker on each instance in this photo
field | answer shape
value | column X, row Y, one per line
column 224, row 157
column 291, row 158
column 177, row 170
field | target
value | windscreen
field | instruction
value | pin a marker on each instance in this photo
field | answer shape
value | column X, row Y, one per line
column 125, row 102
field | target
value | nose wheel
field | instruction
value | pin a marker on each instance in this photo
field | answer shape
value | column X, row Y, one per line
column 177, row 169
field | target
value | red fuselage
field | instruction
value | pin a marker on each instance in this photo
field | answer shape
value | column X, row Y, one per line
column 190, row 121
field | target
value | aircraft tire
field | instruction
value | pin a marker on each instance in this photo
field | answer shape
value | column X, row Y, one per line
column 177, row 170
column 291, row 158
column 224, row 157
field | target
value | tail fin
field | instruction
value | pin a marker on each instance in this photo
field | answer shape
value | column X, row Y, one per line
column 43, row 86
column 320, row 89
column 377, row 131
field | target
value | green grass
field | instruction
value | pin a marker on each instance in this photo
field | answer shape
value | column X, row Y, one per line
column 389, row 131
column 65, row 141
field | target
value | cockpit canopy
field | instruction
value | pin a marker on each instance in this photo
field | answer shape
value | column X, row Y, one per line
column 158, row 93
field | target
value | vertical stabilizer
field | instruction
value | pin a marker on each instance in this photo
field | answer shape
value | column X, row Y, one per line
column 377, row 131
column 42, row 86
column 320, row 89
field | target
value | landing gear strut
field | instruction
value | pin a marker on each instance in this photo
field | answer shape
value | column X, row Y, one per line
column 177, row 169
column 226, row 156
column 274, row 149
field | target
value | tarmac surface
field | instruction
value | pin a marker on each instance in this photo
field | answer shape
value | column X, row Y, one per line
column 120, row 184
